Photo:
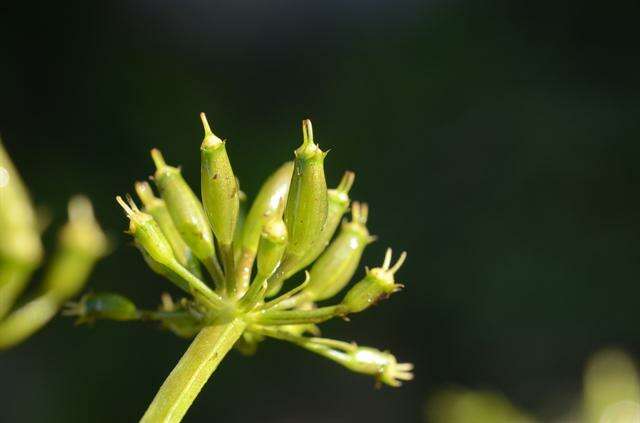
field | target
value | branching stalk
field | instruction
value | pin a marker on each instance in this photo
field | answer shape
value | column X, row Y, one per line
column 192, row 371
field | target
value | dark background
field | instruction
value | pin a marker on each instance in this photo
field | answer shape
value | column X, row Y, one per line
column 496, row 142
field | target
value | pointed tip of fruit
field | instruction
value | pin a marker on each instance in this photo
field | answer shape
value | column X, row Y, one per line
column 307, row 132
column 158, row 159
column 80, row 208
column 346, row 182
column 309, row 149
column 124, row 206
column 399, row 263
column 359, row 212
column 205, row 124
column 210, row 139
column 145, row 193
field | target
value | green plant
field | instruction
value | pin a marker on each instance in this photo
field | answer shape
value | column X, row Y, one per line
column 290, row 226
column 81, row 243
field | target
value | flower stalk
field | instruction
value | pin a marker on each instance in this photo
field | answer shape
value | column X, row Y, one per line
column 198, row 363
column 289, row 226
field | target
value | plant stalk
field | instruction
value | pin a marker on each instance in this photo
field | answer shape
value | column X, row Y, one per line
column 198, row 363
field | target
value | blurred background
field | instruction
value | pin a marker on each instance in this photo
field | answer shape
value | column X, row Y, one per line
column 496, row 142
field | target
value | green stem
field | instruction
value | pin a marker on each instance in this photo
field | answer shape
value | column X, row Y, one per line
column 297, row 317
column 13, row 280
column 213, row 267
column 185, row 381
column 294, row 301
column 229, row 269
column 286, row 296
column 198, row 286
column 26, row 320
column 321, row 346
column 255, row 294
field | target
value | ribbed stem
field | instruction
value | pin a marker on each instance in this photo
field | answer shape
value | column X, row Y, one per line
column 229, row 269
column 213, row 267
column 26, row 320
column 297, row 317
column 198, row 363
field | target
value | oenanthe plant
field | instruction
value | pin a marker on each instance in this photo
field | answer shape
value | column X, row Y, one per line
column 289, row 227
column 81, row 243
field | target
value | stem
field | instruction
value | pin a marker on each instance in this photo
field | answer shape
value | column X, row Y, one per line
column 185, row 381
column 255, row 294
column 26, row 320
column 229, row 269
column 198, row 286
column 13, row 280
column 321, row 346
column 287, row 295
column 297, row 317
column 294, row 301
column 213, row 267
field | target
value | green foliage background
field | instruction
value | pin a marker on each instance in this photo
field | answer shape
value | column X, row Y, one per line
column 496, row 142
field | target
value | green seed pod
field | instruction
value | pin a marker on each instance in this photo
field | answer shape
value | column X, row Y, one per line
column 13, row 193
column 161, row 259
column 148, row 234
column 20, row 245
column 219, row 186
column 376, row 285
column 335, row 267
column 382, row 365
column 273, row 242
column 272, row 193
column 103, row 305
column 185, row 209
column 19, row 238
column 81, row 243
column 163, row 270
column 338, row 200
column 157, row 208
column 306, row 211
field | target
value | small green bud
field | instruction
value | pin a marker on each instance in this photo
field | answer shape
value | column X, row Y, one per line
column 272, row 193
column 148, row 234
column 382, row 365
column 219, row 186
column 81, row 243
column 338, row 200
column 247, row 345
column 376, row 285
column 306, row 210
column 335, row 267
column 103, row 305
column 157, row 208
column 369, row 361
column 82, row 232
column 185, row 209
column 273, row 243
